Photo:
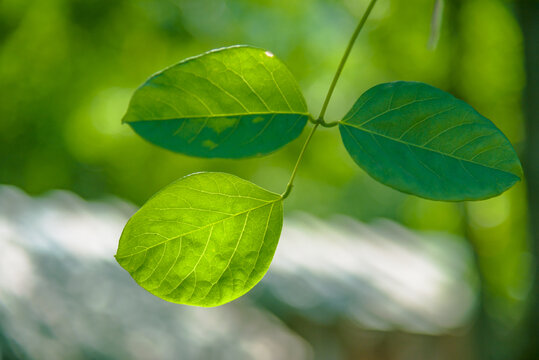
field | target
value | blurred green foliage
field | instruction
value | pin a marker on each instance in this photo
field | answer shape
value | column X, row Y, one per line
column 69, row 67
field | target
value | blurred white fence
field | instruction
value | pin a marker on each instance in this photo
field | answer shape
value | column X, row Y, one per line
column 62, row 295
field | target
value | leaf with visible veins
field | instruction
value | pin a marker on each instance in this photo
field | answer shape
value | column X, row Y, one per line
column 204, row 240
column 423, row 141
column 233, row 102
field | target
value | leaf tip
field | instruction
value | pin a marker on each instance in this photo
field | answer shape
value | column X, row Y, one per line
column 520, row 173
column 124, row 119
column 517, row 169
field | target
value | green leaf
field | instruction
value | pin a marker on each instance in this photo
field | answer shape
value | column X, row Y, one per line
column 423, row 141
column 203, row 240
column 228, row 103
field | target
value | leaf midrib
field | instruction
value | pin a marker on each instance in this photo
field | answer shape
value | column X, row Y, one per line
column 201, row 228
column 222, row 115
column 425, row 148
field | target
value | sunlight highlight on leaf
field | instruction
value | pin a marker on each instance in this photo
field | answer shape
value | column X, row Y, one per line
column 204, row 240
column 242, row 99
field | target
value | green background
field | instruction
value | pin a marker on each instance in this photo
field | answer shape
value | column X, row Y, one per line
column 69, row 67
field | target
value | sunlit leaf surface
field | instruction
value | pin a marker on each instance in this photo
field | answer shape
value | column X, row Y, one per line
column 423, row 141
column 229, row 103
column 204, row 240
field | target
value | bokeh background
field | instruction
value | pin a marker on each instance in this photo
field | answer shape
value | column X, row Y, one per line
column 362, row 271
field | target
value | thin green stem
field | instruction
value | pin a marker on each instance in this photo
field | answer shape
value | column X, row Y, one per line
column 320, row 120
column 291, row 181
column 323, row 123
column 345, row 57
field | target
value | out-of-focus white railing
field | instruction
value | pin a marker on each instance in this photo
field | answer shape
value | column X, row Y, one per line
column 62, row 295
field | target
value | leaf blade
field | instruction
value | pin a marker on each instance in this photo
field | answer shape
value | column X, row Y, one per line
column 193, row 246
column 423, row 141
column 238, row 89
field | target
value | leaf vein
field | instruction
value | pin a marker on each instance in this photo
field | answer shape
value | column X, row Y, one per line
column 425, row 148
column 201, row 228
column 394, row 109
column 425, row 119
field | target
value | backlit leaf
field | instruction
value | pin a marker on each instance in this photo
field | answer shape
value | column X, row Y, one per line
column 423, row 141
column 229, row 103
column 204, row 240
